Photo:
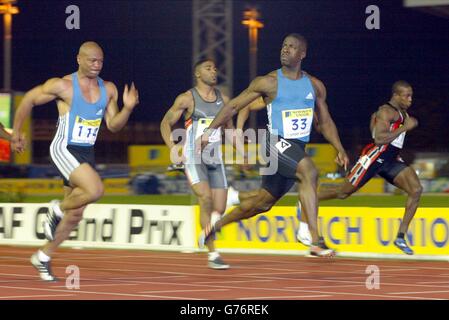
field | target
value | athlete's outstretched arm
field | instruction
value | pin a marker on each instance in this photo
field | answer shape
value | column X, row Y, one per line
column 326, row 124
column 42, row 94
column 182, row 103
column 116, row 120
column 243, row 115
column 257, row 88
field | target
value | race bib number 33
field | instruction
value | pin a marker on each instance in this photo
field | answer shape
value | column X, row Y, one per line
column 297, row 123
column 85, row 131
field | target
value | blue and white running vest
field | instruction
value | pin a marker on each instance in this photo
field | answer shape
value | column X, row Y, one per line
column 291, row 112
column 84, row 118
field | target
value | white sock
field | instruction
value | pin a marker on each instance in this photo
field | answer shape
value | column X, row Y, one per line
column 42, row 256
column 214, row 217
column 213, row 255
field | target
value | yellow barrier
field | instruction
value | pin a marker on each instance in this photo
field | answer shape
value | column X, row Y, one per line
column 148, row 155
column 347, row 229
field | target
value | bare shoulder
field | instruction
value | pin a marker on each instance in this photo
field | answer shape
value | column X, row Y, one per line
column 57, row 85
column 385, row 108
column 265, row 83
column 386, row 112
column 271, row 76
column 110, row 86
column 184, row 100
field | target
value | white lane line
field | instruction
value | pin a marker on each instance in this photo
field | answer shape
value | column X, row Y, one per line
column 101, row 293
column 285, row 297
column 194, row 290
column 38, row 296
column 235, row 281
column 419, row 292
column 101, row 285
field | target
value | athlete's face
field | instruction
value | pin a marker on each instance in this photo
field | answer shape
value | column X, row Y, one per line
column 91, row 62
column 404, row 97
column 291, row 52
column 207, row 73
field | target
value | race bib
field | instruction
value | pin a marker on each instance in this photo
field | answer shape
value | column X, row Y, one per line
column 297, row 123
column 203, row 124
column 282, row 145
column 399, row 141
column 365, row 161
column 85, row 131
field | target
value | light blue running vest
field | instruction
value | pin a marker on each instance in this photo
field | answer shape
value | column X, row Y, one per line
column 291, row 112
column 85, row 118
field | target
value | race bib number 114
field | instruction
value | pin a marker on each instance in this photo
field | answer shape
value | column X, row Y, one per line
column 85, row 131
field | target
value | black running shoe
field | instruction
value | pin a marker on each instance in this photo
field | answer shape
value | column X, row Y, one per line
column 44, row 268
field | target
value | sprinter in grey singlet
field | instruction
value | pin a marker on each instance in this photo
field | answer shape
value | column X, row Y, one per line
column 209, row 166
column 205, row 172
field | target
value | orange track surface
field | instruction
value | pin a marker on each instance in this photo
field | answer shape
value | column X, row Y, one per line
column 154, row 275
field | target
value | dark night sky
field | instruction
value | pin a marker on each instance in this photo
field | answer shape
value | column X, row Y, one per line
column 150, row 42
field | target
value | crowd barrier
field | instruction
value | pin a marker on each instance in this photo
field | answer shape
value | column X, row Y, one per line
column 355, row 232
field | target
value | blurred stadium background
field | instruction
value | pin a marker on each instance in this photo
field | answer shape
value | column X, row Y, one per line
column 358, row 70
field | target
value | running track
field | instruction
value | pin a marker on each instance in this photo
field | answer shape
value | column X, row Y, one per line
column 155, row 275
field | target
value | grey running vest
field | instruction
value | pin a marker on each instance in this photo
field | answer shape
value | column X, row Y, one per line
column 203, row 114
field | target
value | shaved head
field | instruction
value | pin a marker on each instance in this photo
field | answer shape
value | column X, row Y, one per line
column 399, row 85
column 88, row 47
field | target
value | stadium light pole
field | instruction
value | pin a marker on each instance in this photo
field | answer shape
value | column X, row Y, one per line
column 250, row 20
column 7, row 10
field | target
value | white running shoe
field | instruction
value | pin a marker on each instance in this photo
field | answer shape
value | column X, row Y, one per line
column 303, row 235
column 52, row 221
column 233, row 197
column 217, row 264
column 44, row 268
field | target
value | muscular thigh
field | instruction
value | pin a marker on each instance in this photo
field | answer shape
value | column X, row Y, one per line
column 392, row 169
column 85, row 177
column 407, row 180
column 219, row 197
column 277, row 185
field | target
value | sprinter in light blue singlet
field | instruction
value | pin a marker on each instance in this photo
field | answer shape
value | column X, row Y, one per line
column 83, row 100
column 292, row 98
column 77, row 131
column 291, row 112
